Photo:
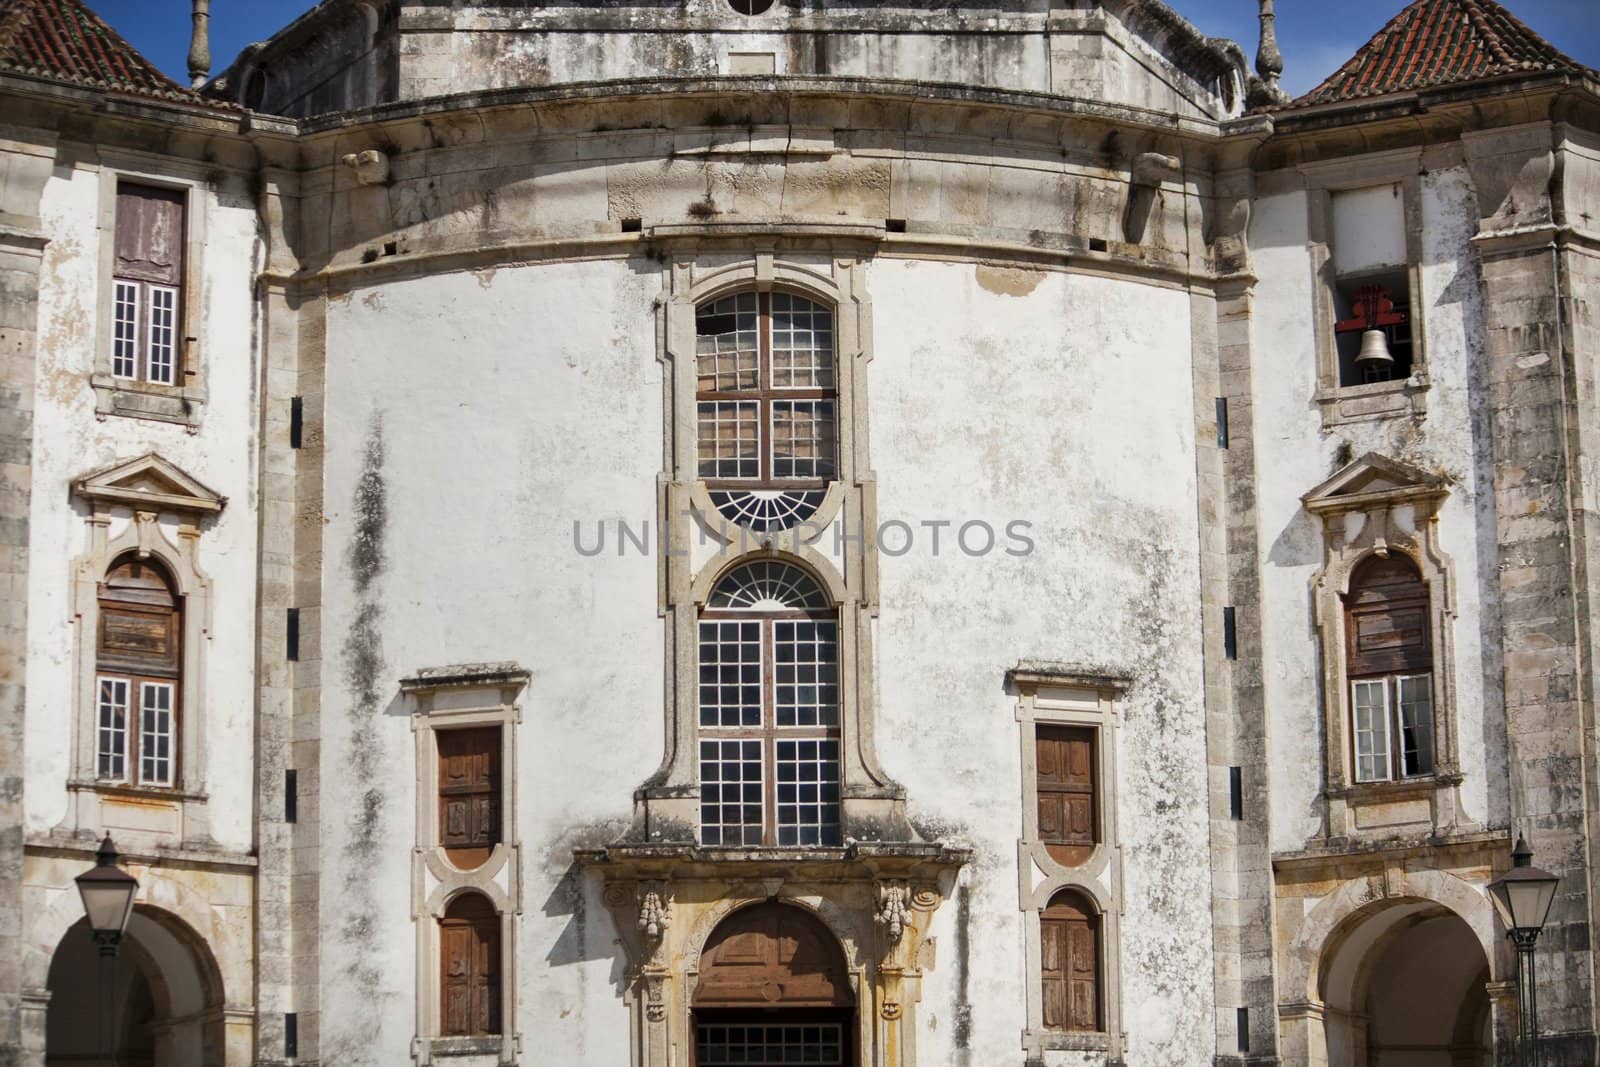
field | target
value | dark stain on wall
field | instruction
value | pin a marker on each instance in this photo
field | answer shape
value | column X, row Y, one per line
column 963, row 1022
column 364, row 667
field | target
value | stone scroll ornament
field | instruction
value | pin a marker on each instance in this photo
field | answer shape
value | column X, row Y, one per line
column 894, row 911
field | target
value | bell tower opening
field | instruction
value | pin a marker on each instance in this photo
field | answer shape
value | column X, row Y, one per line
column 773, row 989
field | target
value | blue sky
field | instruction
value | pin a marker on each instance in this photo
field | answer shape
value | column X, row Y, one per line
column 1316, row 36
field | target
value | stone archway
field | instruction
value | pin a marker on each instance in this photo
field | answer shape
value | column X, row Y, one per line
column 164, row 986
column 773, row 988
column 1404, row 984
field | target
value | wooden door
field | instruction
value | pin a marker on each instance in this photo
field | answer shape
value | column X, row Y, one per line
column 1066, row 791
column 1069, row 964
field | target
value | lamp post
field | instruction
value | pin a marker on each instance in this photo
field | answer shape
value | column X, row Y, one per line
column 1523, row 896
column 107, row 892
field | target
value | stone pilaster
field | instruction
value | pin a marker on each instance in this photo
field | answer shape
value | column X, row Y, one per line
column 22, row 244
column 1537, row 431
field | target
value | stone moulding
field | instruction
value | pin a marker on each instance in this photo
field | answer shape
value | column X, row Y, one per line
column 877, row 899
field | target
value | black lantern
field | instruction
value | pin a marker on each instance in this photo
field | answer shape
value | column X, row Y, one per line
column 1523, row 896
column 107, row 892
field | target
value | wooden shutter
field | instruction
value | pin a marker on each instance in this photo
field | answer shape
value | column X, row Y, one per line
column 1386, row 619
column 469, row 967
column 150, row 234
column 1069, row 964
column 469, row 792
column 139, row 621
column 1066, row 791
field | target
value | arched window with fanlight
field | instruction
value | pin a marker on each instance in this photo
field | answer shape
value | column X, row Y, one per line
column 766, row 401
column 769, row 709
column 138, row 668
column 1389, row 666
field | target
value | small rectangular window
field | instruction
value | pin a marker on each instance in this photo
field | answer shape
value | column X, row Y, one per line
column 155, row 733
column 1236, row 793
column 112, row 741
column 1369, row 701
column 1068, row 804
column 1416, row 724
column 147, row 294
column 469, row 793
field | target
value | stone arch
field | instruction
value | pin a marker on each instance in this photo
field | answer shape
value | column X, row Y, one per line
column 1344, row 909
column 166, row 980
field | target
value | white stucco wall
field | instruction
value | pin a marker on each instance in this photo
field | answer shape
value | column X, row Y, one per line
column 512, row 404
column 1294, row 454
column 1067, row 405
column 70, row 442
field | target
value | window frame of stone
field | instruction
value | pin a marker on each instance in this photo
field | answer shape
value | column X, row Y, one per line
column 138, row 675
column 825, row 264
column 184, row 400
column 1376, row 506
column 475, row 696
column 1390, row 675
column 1055, row 695
column 768, row 734
column 1343, row 404
column 160, row 513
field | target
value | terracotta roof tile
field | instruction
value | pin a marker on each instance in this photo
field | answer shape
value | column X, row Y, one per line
column 62, row 40
column 1440, row 42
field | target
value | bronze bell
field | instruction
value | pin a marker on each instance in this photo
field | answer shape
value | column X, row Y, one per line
column 1374, row 351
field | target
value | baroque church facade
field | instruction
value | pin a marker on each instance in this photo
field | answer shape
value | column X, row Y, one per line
column 770, row 531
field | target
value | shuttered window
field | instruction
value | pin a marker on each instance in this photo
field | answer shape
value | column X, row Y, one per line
column 147, row 296
column 138, row 676
column 469, row 964
column 1066, row 789
column 1069, row 942
column 1389, row 663
column 469, row 793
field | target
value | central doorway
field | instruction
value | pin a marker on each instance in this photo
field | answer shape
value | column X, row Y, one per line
column 773, row 990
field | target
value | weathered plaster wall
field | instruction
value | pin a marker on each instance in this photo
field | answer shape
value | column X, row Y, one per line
column 472, row 419
column 1294, row 454
column 70, row 442
column 1065, row 401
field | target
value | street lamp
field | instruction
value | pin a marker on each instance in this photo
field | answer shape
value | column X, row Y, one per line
column 107, row 892
column 1523, row 896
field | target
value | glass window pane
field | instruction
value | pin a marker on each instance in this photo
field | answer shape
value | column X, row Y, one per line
column 111, row 735
column 802, row 439
column 155, row 734
column 1416, row 724
column 730, row 792
column 802, row 343
column 812, row 816
column 726, row 347
column 730, row 439
column 163, row 335
column 125, row 331
column 1369, row 703
column 730, row 674
column 806, row 673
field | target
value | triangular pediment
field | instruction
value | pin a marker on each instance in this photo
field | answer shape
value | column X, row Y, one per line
column 149, row 483
column 1373, row 479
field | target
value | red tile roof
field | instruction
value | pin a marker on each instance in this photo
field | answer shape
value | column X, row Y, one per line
column 62, row 40
column 1439, row 42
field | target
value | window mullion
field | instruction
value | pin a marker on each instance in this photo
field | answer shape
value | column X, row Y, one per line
column 1397, row 741
column 769, row 743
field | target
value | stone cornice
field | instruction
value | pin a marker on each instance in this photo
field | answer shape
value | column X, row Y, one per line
column 852, row 862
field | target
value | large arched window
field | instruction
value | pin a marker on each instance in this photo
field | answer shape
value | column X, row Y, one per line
column 469, row 966
column 769, row 709
column 138, row 665
column 766, row 399
column 1389, row 665
column 1069, row 958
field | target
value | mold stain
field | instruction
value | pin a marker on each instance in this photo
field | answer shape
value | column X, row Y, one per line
column 362, row 652
column 961, row 1031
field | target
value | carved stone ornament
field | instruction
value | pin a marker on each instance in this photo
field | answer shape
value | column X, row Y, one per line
column 655, row 909
column 655, row 1003
column 894, row 914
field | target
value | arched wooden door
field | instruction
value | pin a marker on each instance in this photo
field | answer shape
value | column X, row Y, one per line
column 773, row 990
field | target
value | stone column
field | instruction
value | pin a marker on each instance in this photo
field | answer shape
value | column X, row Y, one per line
column 22, row 242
